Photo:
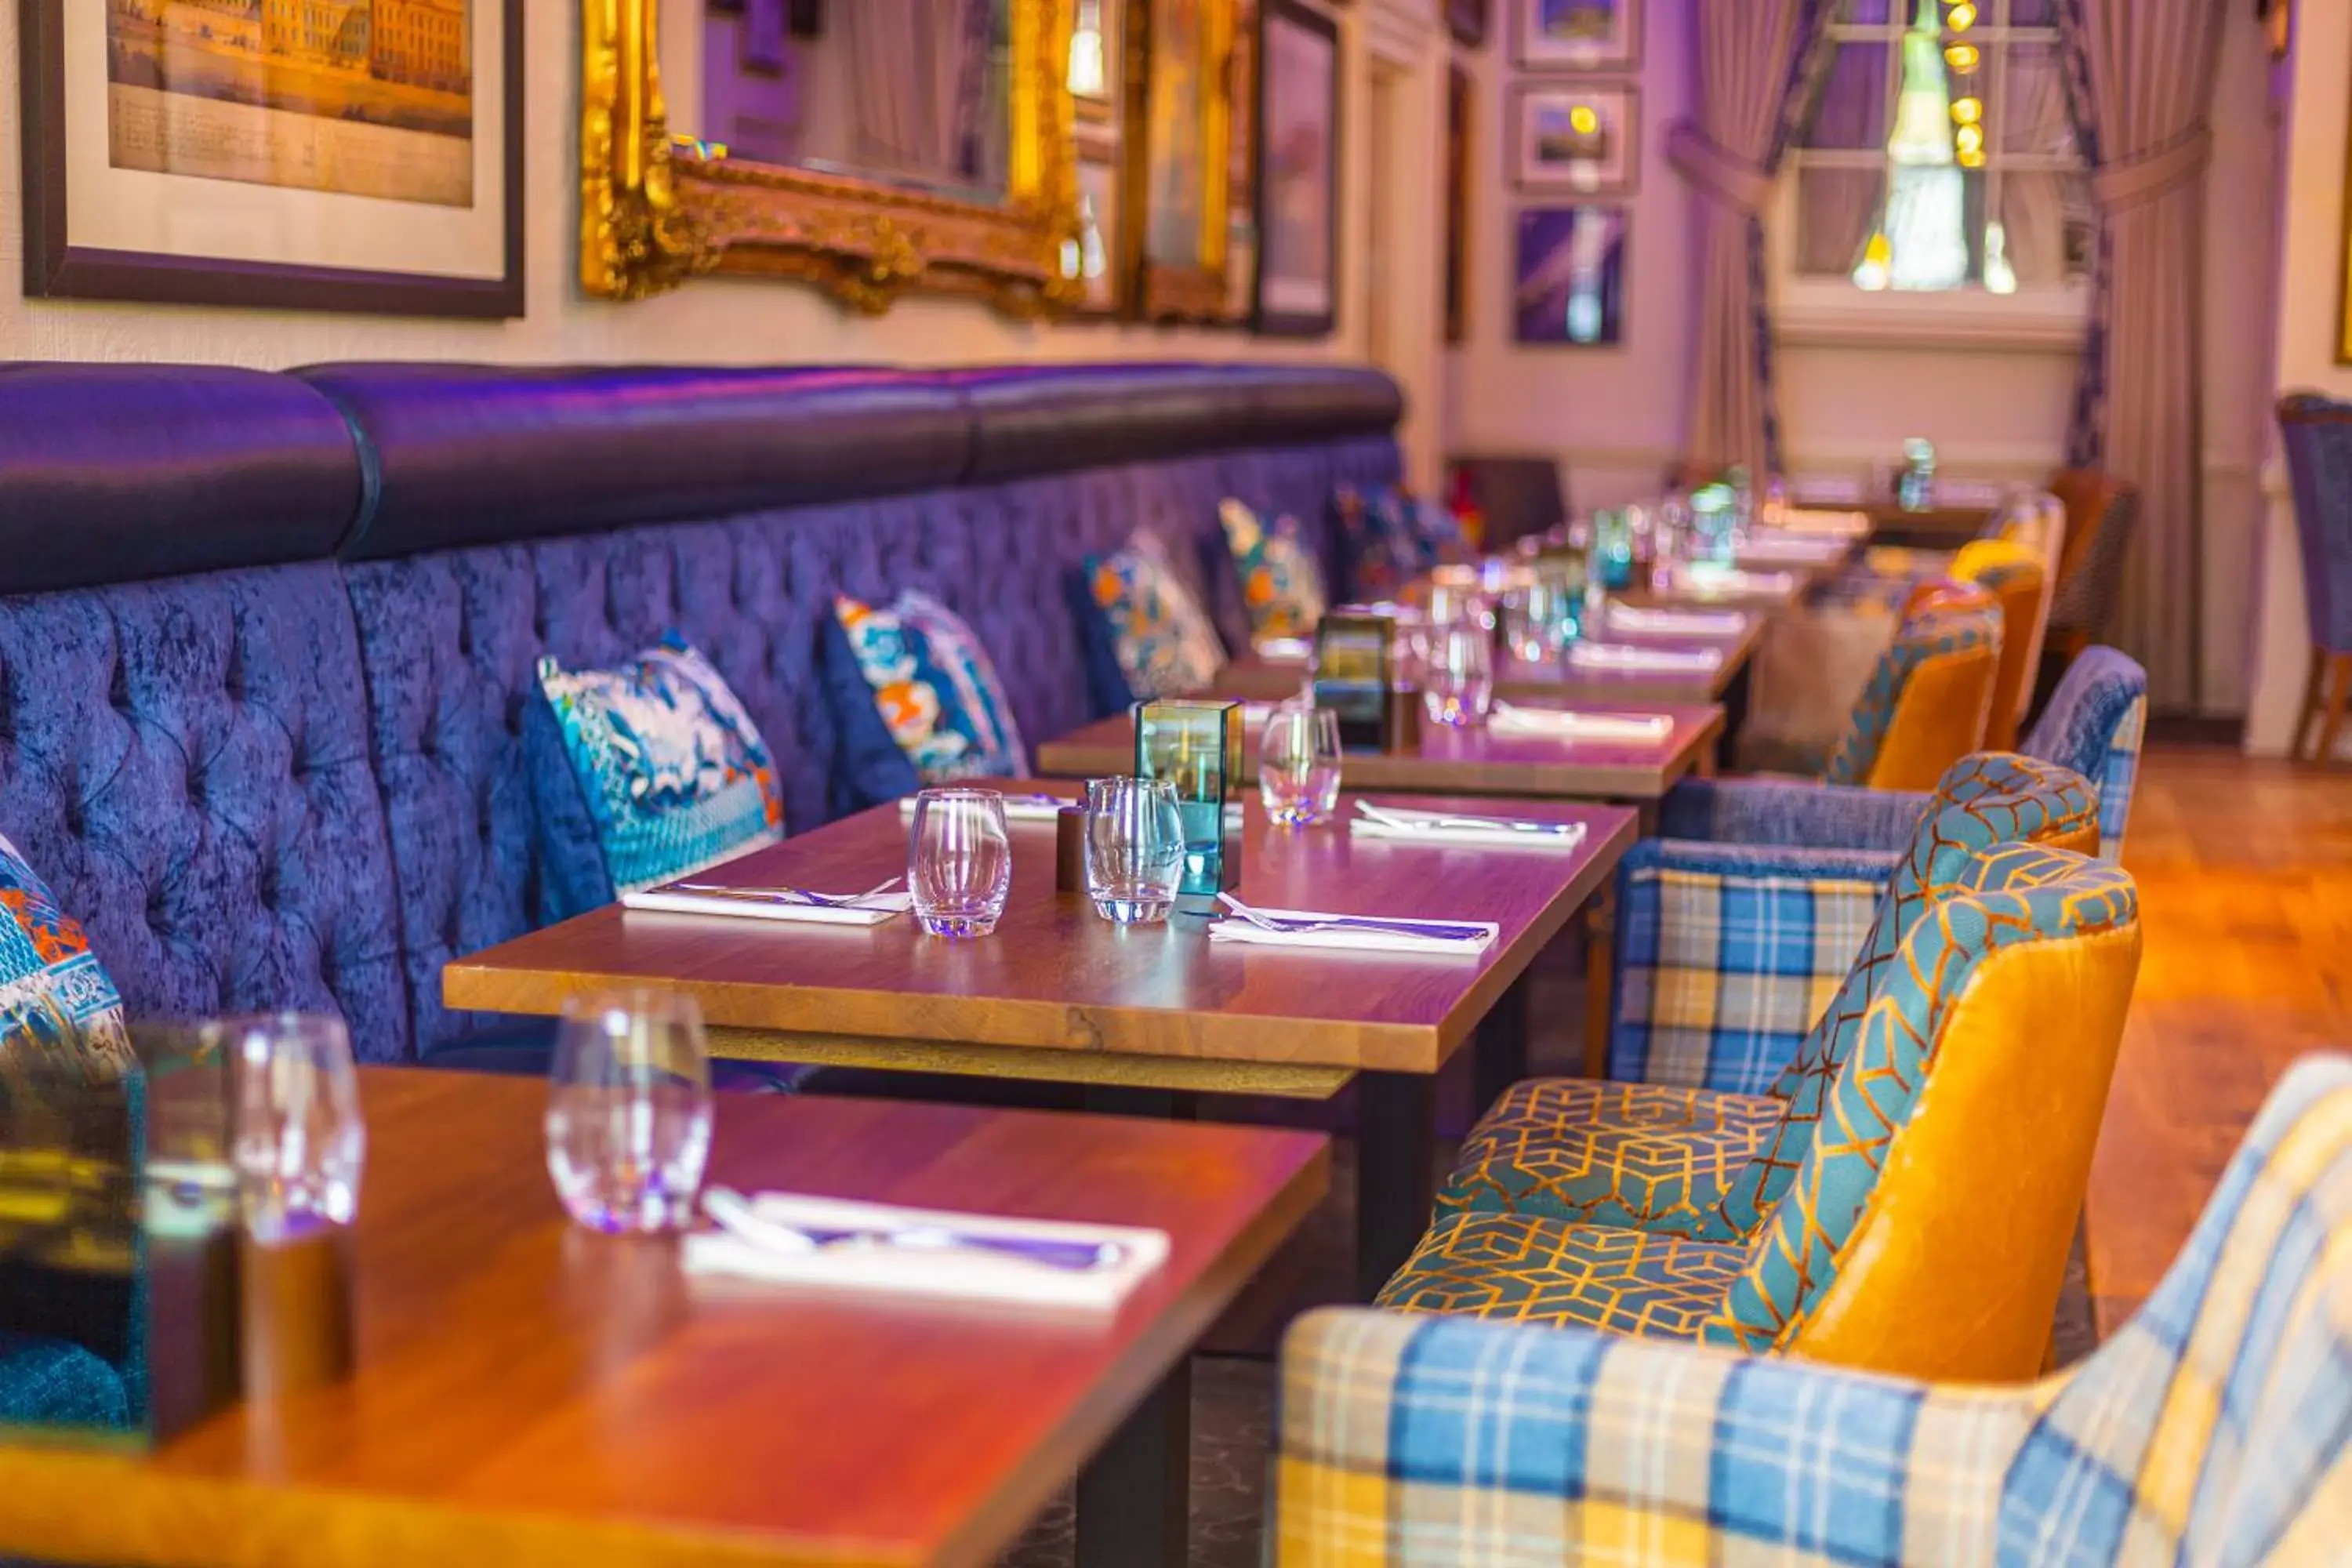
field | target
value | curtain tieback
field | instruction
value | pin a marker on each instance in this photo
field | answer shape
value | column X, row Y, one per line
column 1718, row 171
column 2137, row 180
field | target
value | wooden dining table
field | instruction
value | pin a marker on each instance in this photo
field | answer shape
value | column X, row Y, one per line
column 1144, row 1020
column 530, row 1395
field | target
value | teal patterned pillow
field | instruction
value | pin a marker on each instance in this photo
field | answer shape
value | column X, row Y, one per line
column 935, row 688
column 55, row 996
column 1281, row 586
column 645, row 772
column 1162, row 641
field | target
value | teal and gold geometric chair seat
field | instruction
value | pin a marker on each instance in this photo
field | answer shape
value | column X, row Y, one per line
column 1648, row 1155
column 1521, row 1269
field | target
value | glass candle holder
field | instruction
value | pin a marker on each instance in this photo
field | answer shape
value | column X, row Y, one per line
column 1196, row 745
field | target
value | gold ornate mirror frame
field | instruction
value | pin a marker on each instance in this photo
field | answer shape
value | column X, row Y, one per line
column 655, row 210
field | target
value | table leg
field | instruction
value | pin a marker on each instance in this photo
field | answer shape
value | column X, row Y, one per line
column 1135, row 1495
column 1502, row 1047
column 1737, row 697
column 1396, row 1131
column 1600, row 978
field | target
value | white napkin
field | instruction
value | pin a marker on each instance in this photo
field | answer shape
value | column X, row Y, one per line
column 1827, row 524
column 1634, row 656
column 1017, row 808
column 1349, row 933
column 1439, row 827
column 1618, row 729
column 936, row 1270
column 1284, row 650
column 1826, row 490
column 871, row 910
column 1708, row 577
column 1677, row 623
column 1961, row 495
column 1802, row 549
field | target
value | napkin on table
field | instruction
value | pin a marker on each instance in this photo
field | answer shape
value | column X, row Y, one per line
column 1443, row 828
column 1804, row 549
column 1623, row 729
column 1017, row 808
column 1677, row 623
column 747, row 903
column 1707, row 577
column 1634, row 656
column 929, row 1269
column 1361, row 933
column 1284, row 650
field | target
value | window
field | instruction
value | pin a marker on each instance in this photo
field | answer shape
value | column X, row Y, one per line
column 1940, row 156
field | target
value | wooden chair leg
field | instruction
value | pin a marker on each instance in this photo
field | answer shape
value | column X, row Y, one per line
column 2340, row 672
column 2308, row 714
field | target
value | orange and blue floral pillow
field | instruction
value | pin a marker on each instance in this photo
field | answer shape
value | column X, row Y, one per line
column 642, row 772
column 935, row 692
column 1282, row 588
column 1157, row 637
column 55, row 995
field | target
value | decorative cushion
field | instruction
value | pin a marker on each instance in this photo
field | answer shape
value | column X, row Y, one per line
column 1157, row 634
column 924, row 679
column 54, row 1383
column 1525, row 1269
column 642, row 772
column 1650, row 1156
column 1282, row 588
column 55, row 996
column 1394, row 538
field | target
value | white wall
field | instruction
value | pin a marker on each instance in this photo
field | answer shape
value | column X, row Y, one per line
column 1995, row 410
column 2303, row 343
column 715, row 320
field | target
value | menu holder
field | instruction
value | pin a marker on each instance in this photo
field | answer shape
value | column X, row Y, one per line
column 1355, row 678
column 119, row 1226
column 1195, row 743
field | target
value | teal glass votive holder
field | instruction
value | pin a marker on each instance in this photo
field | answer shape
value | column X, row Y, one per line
column 1196, row 744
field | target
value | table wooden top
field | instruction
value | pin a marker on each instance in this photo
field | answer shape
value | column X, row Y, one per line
column 530, row 1395
column 1259, row 680
column 1461, row 761
column 1937, row 528
column 1057, row 979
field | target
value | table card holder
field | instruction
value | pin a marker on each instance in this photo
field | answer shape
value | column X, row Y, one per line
column 1355, row 678
column 1196, row 744
column 118, row 1224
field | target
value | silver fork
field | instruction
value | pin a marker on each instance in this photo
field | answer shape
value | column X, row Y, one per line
column 786, row 895
column 1433, row 931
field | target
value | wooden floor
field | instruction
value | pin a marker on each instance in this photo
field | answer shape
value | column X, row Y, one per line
column 2245, row 878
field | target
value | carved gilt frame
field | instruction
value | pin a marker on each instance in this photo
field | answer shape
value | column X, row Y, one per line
column 655, row 209
column 1165, row 290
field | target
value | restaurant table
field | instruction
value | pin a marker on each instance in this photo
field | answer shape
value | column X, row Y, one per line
column 1937, row 528
column 529, row 1393
column 1145, row 1018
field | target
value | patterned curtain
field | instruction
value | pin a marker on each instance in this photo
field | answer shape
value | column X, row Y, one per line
column 2139, row 78
column 1761, row 65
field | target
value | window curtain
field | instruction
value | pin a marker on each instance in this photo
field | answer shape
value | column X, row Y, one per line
column 1760, row 63
column 2140, row 74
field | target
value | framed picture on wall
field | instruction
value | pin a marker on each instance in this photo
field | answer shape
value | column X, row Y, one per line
column 1299, row 171
column 1460, row 120
column 1578, row 34
column 1570, row 139
column 1468, row 19
column 223, row 155
column 1094, row 62
column 1176, row 136
column 1568, row 283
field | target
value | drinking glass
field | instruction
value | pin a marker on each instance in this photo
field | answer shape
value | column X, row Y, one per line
column 1135, row 849
column 959, row 861
column 299, row 1143
column 1457, row 680
column 1298, row 764
column 628, row 1110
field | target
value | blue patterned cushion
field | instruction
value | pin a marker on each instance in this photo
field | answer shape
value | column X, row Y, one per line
column 1162, row 641
column 55, row 995
column 1282, row 588
column 54, row 1382
column 646, row 772
column 933, row 688
column 1393, row 538
column 1950, row 624
column 1528, row 1268
column 2094, row 723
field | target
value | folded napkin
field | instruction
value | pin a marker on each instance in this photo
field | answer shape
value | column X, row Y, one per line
column 1284, row 650
column 1349, row 933
column 1962, row 495
column 1617, row 728
column 781, row 1238
column 1785, row 549
column 1017, row 808
column 1634, row 656
column 1826, row 524
column 789, row 904
column 1826, row 490
column 1676, row 623
column 1708, row 577
column 1442, row 828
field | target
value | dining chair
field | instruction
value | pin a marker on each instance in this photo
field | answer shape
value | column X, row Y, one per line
column 2210, row 1431
column 1927, row 699
column 2012, row 572
column 2317, row 435
column 1921, row 1224
column 2102, row 514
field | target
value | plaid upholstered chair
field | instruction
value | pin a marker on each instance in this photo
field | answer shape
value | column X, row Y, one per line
column 2210, row 1432
column 2317, row 435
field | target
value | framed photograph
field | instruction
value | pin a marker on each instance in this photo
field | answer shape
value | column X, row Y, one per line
column 1568, row 284
column 1177, row 138
column 1299, row 171
column 1094, row 63
column 1468, row 21
column 237, row 155
column 1578, row 34
column 1099, row 253
column 1461, row 122
column 1567, row 139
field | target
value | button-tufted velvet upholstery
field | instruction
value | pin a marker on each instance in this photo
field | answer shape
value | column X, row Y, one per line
column 300, row 784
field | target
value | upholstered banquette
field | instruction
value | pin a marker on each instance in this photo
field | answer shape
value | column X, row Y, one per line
column 266, row 640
